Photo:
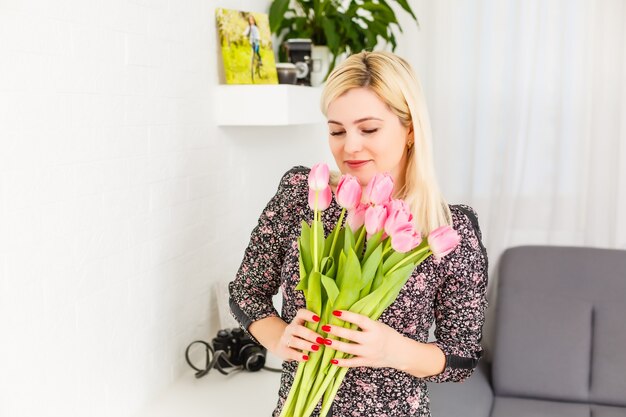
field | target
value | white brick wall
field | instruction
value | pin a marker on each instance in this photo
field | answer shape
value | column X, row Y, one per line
column 120, row 200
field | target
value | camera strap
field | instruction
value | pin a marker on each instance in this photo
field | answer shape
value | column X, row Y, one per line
column 212, row 361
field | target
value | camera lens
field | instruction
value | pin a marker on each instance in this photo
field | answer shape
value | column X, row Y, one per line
column 253, row 357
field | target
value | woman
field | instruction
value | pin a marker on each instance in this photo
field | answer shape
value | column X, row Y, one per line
column 377, row 122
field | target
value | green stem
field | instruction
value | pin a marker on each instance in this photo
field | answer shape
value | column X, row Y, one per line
column 408, row 259
column 332, row 247
column 360, row 239
column 289, row 404
column 315, row 215
column 328, row 401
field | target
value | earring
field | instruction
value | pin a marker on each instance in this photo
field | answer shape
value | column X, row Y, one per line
column 409, row 144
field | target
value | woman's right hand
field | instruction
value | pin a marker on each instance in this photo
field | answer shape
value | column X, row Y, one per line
column 298, row 340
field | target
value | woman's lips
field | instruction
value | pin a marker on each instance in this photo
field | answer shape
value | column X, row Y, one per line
column 356, row 164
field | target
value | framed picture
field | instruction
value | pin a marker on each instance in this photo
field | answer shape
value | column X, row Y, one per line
column 246, row 44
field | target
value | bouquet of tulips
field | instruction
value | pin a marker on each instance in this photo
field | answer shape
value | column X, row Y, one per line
column 360, row 267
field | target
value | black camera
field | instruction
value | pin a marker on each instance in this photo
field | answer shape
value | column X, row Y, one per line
column 239, row 349
column 299, row 53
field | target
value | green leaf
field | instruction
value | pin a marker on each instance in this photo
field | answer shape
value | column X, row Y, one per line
column 331, row 34
column 382, row 296
column 378, row 280
column 369, row 270
column 372, row 243
column 340, row 269
column 392, row 260
column 277, row 13
column 348, row 240
column 326, row 265
column 314, row 296
column 331, row 288
column 405, row 5
column 351, row 284
column 304, row 246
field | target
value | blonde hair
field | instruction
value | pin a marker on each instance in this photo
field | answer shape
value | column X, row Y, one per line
column 395, row 83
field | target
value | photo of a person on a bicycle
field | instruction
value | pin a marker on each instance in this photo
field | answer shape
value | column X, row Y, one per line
column 246, row 42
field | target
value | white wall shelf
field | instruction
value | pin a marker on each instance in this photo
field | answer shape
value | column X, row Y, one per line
column 267, row 105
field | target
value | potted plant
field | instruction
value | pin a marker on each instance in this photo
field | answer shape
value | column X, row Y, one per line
column 342, row 25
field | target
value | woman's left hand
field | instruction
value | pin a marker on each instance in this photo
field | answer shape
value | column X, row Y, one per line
column 375, row 345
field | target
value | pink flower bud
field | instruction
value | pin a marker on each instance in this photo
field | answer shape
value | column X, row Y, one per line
column 442, row 241
column 323, row 198
column 318, row 177
column 399, row 215
column 356, row 217
column 405, row 239
column 348, row 192
column 379, row 189
column 375, row 217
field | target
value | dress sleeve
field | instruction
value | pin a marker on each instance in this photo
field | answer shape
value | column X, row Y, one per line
column 259, row 276
column 461, row 300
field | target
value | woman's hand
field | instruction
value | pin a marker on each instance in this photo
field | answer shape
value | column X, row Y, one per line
column 297, row 340
column 375, row 345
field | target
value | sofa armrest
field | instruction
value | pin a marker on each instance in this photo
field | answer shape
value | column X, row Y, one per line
column 470, row 398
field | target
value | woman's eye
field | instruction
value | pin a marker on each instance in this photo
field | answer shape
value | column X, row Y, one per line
column 369, row 130
column 336, row 133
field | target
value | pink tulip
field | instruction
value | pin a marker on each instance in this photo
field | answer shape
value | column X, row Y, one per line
column 399, row 215
column 375, row 217
column 318, row 177
column 323, row 198
column 356, row 217
column 405, row 239
column 379, row 189
column 442, row 241
column 348, row 192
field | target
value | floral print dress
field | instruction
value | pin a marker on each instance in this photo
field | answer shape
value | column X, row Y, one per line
column 450, row 292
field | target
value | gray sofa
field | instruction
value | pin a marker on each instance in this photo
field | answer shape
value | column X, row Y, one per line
column 560, row 339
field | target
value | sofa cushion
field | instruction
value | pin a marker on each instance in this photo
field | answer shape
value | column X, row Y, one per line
column 608, row 363
column 543, row 347
column 604, row 411
column 522, row 407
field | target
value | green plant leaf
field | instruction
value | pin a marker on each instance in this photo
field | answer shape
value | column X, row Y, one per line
column 277, row 13
column 331, row 288
column 326, row 265
column 340, row 269
column 304, row 246
column 314, row 297
column 331, row 34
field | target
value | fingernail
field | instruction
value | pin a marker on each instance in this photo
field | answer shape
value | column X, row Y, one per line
column 320, row 340
column 334, row 361
column 337, row 313
column 326, row 328
column 315, row 347
column 328, row 342
column 305, row 357
column 316, row 318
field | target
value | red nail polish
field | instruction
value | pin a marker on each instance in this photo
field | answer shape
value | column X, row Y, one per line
column 334, row 361
column 316, row 318
column 337, row 313
column 320, row 340
column 328, row 342
column 305, row 357
column 315, row 347
column 326, row 328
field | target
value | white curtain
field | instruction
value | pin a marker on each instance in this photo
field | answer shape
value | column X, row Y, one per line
column 528, row 104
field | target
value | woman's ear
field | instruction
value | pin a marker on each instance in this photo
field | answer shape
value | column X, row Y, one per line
column 410, row 137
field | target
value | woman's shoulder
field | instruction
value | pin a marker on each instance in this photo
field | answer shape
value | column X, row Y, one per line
column 465, row 217
column 295, row 176
column 294, row 184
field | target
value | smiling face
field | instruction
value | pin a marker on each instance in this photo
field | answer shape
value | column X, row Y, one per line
column 366, row 137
